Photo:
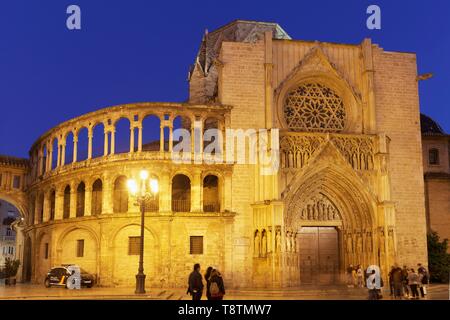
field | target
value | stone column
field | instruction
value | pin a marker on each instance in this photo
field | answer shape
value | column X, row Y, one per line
column 105, row 144
column 87, row 199
column 113, row 140
column 58, row 159
column 37, row 209
column 171, row 138
column 63, row 154
column 40, row 161
column 75, row 147
column 49, row 156
column 46, row 216
column 89, row 143
column 165, row 192
column 107, row 201
column 161, row 137
column 131, row 139
column 140, row 137
column 59, row 203
column 196, row 186
column 73, row 201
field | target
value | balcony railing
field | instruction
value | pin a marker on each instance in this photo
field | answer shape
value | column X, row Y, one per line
column 152, row 206
column 181, row 205
column 212, row 206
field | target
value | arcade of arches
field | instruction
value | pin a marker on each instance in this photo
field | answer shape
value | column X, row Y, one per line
column 348, row 190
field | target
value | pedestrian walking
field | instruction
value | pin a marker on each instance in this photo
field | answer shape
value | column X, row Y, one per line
column 195, row 283
column 413, row 281
column 391, row 281
column 354, row 278
column 371, row 286
column 405, row 273
column 216, row 286
column 397, row 282
column 360, row 276
column 424, row 279
column 349, row 275
column 207, row 276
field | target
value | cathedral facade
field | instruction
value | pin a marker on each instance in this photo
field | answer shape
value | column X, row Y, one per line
column 348, row 188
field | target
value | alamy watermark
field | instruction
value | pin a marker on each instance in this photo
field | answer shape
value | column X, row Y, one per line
column 239, row 146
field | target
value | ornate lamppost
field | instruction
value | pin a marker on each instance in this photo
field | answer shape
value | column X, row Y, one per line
column 143, row 191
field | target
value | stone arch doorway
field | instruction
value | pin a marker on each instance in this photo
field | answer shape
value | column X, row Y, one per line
column 332, row 220
column 13, row 216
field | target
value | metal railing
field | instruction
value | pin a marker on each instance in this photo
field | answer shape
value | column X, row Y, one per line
column 181, row 205
column 211, row 206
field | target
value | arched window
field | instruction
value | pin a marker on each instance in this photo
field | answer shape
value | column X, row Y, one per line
column 212, row 136
column 181, row 193
column 41, row 208
column 120, row 195
column 66, row 206
column 211, row 197
column 44, row 159
column 122, row 136
column 80, row 199
column 314, row 107
column 433, row 156
column 55, row 152
column 68, row 157
column 82, row 144
column 151, row 133
column 52, row 205
column 97, row 189
column 98, row 140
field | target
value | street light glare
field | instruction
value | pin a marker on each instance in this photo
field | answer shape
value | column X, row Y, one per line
column 144, row 174
column 132, row 186
column 154, row 187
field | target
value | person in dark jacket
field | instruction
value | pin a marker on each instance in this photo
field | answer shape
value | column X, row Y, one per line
column 195, row 283
column 208, row 282
column 397, row 281
column 216, row 287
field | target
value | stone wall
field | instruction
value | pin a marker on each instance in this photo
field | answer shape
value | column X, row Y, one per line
column 397, row 115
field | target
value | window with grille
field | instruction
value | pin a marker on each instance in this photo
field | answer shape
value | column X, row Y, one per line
column 16, row 182
column 80, row 248
column 314, row 107
column 46, row 251
column 134, row 244
column 196, row 245
column 433, row 156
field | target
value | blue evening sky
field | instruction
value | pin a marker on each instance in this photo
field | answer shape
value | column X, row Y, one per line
column 136, row 50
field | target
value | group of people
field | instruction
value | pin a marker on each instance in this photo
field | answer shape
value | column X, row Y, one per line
column 407, row 282
column 403, row 282
column 215, row 289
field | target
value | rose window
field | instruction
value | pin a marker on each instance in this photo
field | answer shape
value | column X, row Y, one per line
column 314, row 107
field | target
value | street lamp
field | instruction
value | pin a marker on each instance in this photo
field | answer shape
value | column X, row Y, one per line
column 144, row 192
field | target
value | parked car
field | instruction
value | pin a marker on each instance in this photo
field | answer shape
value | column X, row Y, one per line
column 57, row 276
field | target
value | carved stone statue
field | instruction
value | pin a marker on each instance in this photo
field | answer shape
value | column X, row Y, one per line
column 278, row 241
column 288, row 241
column 359, row 247
column 391, row 241
column 269, row 240
column 257, row 243
column 264, row 244
column 369, row 242
column 349, row 245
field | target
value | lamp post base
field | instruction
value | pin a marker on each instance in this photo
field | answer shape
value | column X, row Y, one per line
column 140, row 283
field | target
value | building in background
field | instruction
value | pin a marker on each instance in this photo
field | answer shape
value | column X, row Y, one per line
column 8, row 215
column 436, row 167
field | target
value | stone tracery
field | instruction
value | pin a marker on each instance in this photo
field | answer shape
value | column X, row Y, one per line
column 314, row 107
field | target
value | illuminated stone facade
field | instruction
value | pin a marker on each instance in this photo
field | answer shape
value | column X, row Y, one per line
column 350, row 170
